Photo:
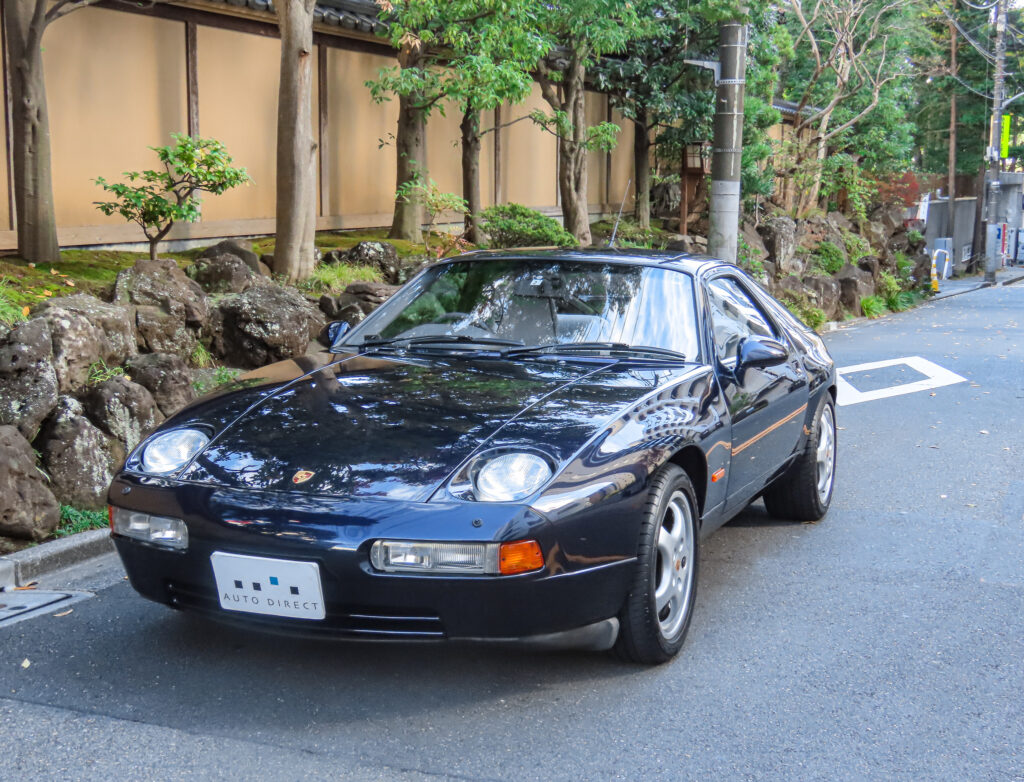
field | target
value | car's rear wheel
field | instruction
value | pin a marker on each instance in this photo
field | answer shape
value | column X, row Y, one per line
column 804, row 492
column 658, row 609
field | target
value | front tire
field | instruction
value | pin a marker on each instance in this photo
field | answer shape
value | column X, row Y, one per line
column 656, row 616
column 804, row 492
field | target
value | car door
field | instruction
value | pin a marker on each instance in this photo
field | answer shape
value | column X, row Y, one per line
column 766, row 405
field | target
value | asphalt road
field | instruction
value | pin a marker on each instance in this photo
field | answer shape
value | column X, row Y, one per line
column 886, row 642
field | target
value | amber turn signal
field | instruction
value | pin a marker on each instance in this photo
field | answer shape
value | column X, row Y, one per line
column 521, row 556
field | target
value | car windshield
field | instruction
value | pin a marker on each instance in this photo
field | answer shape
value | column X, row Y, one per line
column 492, row 302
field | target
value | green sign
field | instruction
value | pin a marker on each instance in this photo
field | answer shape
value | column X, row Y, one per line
column 1004, row 139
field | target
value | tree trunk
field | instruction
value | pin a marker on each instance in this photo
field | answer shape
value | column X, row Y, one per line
column 33, row 186
column 642, row 170
column 294, row 255
column 407, row 222
column 471, row 172
column 572, row 156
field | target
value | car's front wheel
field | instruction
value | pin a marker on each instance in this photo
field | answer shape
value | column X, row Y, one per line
column 657, row 612
column 804, row 492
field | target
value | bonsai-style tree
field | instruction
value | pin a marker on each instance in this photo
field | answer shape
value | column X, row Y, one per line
column 156, row 200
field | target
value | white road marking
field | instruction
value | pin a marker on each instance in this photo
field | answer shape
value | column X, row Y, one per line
column 935, row 377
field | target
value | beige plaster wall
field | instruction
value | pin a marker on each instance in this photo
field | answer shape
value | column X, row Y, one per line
column 115, row 84
column 238, row 79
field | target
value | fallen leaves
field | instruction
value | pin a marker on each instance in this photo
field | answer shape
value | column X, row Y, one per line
column 983, row 431
column 65, row 613
column 26, row 663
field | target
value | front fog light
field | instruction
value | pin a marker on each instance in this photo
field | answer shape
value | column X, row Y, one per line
column 410, row 556
column 159, row 530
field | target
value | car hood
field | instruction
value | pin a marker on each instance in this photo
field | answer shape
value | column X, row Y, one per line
column 387, row 428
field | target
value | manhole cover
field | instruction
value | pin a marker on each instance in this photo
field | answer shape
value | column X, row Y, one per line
column 24, row 604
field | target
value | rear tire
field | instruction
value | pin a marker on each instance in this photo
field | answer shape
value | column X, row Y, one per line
column 657, row 612
column 804, row 492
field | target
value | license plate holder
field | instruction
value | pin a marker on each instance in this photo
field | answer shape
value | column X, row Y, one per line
column 272, row 587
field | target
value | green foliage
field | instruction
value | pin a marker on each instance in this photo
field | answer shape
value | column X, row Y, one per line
column 10, row 311
column 155, row 200
column 873, row 306
column 749, row 262
column 99, row 372
column 915, row 237
column 476, row 53
column 201, row 357
column 856, row 246
column 843, row 172
column 889, row 290
column 905, row 270
column 514, row 225
column 220, row 377
column 828, row 257
column 73, row 520
column 804, row 309
column 333, row 278
column 434, row 200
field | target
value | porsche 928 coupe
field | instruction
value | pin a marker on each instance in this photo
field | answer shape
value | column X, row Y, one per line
column 516, row 445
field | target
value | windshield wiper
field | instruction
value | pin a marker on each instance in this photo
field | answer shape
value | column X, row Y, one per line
column 438, row 339
column 610, row 347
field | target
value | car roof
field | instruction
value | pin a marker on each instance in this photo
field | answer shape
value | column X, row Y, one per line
column 687, row 262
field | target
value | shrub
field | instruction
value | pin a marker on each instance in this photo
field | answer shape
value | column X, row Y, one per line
column 201, row 357
column 905, row 271
column 434, row 200
column 221, row 377
column 749, row 262
column 514, row 225
column 915, row 237
column 828, row 257
column 803, row 309
column 889, row 291
column 856, row 246
column 872, row 306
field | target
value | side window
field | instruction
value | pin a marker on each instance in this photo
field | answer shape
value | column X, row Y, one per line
column 734, row 317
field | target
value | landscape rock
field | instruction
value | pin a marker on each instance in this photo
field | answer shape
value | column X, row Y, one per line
column 170, row 309
column 755, row 244
column 116, row 334
column 166, row 377
column 825, row 293
column 265, row 324
column 28, row 381
column 380, row 255
column 872, row 266
column 265, row 266
column 779, row 235
column 683, row 244
column 792, row 287
column 77, row 344
column 28, row 509
column 889, row 216
column 223, row 274
column 854, row 284
column 123, row 409
column 236, row 247
column 346, row 307
column 77, row 456
column 841, row 221
column 335, row 256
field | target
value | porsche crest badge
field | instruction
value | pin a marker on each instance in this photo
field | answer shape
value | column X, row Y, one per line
column 302, row 476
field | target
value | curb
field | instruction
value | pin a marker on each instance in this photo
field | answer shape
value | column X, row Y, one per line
column 29, row 564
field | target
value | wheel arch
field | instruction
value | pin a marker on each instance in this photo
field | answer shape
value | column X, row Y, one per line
column 693, row 462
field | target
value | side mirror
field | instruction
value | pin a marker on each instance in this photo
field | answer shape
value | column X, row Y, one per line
column 332, row 332
column 761, row 352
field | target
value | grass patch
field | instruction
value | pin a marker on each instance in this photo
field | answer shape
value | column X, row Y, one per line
column 11, row 310
column 333, row 278
column 873, row 306
column 218, row 378
column 74, row 520
column 99, row 372
column 346, row 240
column 201, row 357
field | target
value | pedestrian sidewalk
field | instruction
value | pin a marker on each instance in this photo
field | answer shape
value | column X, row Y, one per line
column 960, row 285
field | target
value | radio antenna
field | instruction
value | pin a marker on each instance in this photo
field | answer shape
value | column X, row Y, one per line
column 615, row 228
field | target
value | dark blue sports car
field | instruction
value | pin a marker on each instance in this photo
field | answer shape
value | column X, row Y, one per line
column 515, row 445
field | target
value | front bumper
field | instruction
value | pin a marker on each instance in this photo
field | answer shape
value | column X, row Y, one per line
column 360, row 601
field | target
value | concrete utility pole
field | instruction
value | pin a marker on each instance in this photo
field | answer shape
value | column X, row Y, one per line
column 992, row 254
column 951, row 207
column 728, row 142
